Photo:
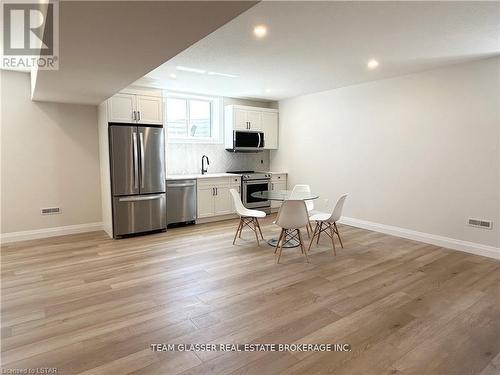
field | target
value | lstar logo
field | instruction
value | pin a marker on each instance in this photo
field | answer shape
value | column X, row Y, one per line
column 30, row 34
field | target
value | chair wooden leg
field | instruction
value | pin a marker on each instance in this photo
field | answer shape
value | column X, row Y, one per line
column 308, row 228
column 255, row 230
column 300, row 241
column 319, row 232
column 332, row 233
column 304, row 251
column 241, row 228
column 338, row 235
column 279, row 240
column 237, row 230
column 314, row 235
column 280, row 248
column 258, row 226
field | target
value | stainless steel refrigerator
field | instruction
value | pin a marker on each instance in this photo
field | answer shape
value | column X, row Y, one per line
column 137, row 163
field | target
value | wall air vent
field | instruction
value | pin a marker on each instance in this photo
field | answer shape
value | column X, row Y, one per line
column 50, row 211
column 486, row 224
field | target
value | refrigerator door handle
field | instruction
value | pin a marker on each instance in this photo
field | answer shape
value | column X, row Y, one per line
column 141, row 137
column 141, row 198
column 136, row 164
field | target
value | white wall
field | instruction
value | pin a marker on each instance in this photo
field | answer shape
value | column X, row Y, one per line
column 419, row 152
column 49, row 157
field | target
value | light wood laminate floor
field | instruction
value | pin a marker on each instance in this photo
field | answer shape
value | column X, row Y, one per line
column 86, row 304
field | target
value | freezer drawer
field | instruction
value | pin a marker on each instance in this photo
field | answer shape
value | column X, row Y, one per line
column 139, row 213
column 181, row 201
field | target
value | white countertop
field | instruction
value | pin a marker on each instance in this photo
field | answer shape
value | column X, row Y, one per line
column 198, row 176
column 207, row 175
column 277, row 172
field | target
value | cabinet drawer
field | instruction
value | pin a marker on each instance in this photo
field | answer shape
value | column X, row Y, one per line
column 279, row 177
column 214, row 181
column 235, row 180
column 139, row 213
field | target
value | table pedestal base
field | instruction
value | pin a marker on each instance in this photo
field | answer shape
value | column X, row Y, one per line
column 291, row 239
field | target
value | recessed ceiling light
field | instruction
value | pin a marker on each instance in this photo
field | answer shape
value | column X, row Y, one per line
column 173, row 76
column 260, row 31
column 222, row 74
column 268, row 90
column 372, row 64
column 191, row 70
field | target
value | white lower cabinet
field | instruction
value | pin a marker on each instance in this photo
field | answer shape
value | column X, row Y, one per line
column 278, row 182
column 214, row 198
column 222, row 201
column 205, row 202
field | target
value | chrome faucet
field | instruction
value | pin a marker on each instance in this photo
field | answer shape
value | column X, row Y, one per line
column 203, row 169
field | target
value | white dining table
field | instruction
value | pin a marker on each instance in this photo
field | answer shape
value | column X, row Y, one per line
column 291, row 239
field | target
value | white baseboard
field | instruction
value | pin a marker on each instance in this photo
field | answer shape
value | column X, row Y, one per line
column 450, row 243
column 49, row 232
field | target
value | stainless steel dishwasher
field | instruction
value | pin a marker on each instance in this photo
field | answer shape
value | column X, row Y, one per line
column 181, row 201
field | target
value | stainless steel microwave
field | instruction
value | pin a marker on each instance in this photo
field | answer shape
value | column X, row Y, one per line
column 247, row 141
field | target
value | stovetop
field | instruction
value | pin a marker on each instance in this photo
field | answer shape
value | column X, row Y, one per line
column 252, row 175
column 241, row 172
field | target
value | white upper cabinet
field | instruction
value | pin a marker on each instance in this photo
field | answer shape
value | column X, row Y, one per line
column 240, row 121
column 149, row 109
column 131, row 107
column 246, row 118
column 254, row 119
column 121, row 108
column 270, row 128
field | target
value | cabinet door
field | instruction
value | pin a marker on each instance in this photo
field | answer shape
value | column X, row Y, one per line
column 222, row 201
column 121, row 108
column 277, row 186
column 270, row 129
column 240, row 119
column 238, row 189
column 205, row 202
column 254, row 119
column 150, row 109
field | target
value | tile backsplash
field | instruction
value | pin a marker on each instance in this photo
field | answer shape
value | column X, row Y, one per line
column 185, row 158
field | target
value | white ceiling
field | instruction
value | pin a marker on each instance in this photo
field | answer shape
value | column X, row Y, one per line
column 106, row 45
column 315, row 46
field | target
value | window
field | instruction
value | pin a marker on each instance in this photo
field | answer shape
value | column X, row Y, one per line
column 192, row 119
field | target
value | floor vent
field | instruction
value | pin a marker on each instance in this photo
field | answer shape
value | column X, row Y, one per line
column 50, row 211
column 486, row 224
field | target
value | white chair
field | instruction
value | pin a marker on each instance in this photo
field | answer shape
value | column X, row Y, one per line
column 292, row 216
column 297, row 189
column 328, row 223
column 247, row 217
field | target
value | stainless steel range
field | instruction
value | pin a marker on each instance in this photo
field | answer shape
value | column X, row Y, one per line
column 252, row 182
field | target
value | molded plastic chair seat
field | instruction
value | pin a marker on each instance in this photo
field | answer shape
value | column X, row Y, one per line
column 297, row 189
column 253, row 213
column 292, row 216
column 319, row 216
column 327, row 223
column 248, row 217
